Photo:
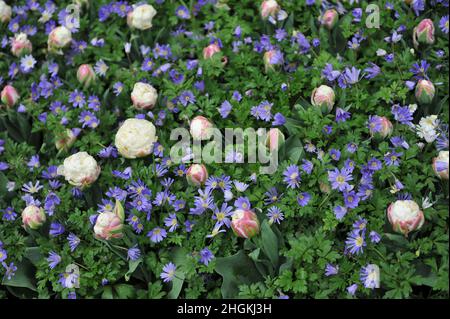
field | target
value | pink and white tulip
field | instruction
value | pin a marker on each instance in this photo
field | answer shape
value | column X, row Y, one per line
column 59, row 38
column 405, row 216
column 269, row 8
column 9, row 96
column 144, row 96
column 197, row 174
column 210, row 50
column 33, row 217
column 330, row 18
column 274, row 140
column 109, row 224
column 80, row 169
column 440, row 165
column 66, row 139
column 86, row 75
column 386, row 129
column 20, row 45
column 5, row 12
column 423, row 33
column 425, row 91
column 201, row 128
column 245, row 223
column 141, row 17
column 323, row 97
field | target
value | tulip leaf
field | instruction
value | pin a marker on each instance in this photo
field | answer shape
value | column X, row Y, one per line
column 124, row 291
column 34, row 255
column 132, row 265
column 177, row 284
column 236, row 270
column 269, row 243
column 24, row 276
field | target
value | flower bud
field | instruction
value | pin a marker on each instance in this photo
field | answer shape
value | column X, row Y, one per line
column 330, row 18
column 423, row 33
column 197, row 175
column 323, row 97
column 274, row 140
column 9, row 96
column 5, row 12
column 141, row 17
column 109, row 224
column 210, row 50
column 271, row 58
column 201, row 128
column 144, row 96
column 85, row 75
column 405, row 216
column 440, row 165
column 244, row 223
column 424, row 91
column 66, row 139
column 324, row 187
column 20, row 45
column 135, row 138
column 382, row 127
column 80, row 169
column 59, row 38
column 269, row 8
column 33, row 217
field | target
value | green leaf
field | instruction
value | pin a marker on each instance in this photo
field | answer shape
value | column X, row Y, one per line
column 124, row 291
column 34, row 255
column 24, row 276
column 236, row 270
column 269, row 243
column 177, row 284
column 132, row 265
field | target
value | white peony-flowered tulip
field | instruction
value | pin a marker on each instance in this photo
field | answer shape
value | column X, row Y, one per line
column 136, row 138
column 80, row 169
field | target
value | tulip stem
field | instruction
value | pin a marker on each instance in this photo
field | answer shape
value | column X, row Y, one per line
column 379, row 253
column 84, row 267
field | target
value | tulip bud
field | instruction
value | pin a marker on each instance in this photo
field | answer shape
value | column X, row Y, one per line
column 271, row 58
column 424, row 91
column 423, row 33
column 136, row 138
column 20, row 45
column 80, row 169
column 9, row 96
column 244, row 223
column 274, row 139
column 33, row 217
column 330, row 18
column 269, row 8
column 324, row 187
column 109, row 224
column 201, row 128
column 405, row 216
column 66, row 139
column 440, row 165
column 144, row 96
column 380, row 127
column 5, row 12
column 197, row 175
column 141, row 17
column 85, row 75
column 210, row 50
column 323, row 97
column 59, row 38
